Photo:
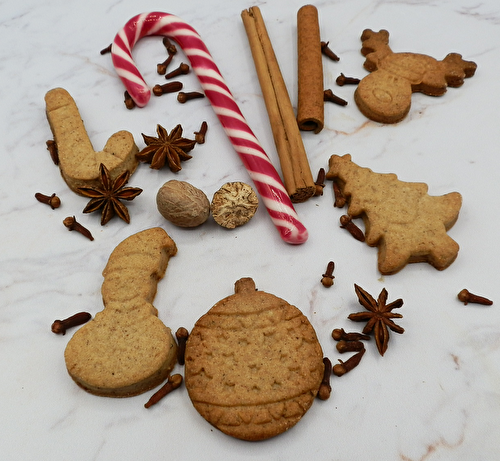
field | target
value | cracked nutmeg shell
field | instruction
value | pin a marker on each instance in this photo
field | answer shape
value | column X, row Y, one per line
column 234, row 204
column 182, row 204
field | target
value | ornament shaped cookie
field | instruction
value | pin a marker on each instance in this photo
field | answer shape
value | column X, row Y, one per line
column 401, row 219
column 78, row 162
column 385, row 94
column 253, row 364
column 126, row 349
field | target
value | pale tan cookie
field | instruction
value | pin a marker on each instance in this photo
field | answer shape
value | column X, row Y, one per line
column 78, row 162
column 253, row 364
column 401, row 219
column 126, row 349
column 385, row 95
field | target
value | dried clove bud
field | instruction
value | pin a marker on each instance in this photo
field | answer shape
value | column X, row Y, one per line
column 59, row 327
column 73, row 225
column 129, row 102
column 325, row 388
column 340, row 200
column 343, row 80
column 199, row 136
column 171, row 87
column 52, row 200
column 327, row 280
column 173, row 383
column 355, row 231
column 349, row 346
column 345, row 367
column 467, row 297
column 339, row 334
column 330, row 97
column 54, row 153
column 320, row 182
column 182, row 336
column 328, row 52
column 184, row 97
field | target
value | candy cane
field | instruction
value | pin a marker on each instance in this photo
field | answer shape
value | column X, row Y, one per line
column 259, row 167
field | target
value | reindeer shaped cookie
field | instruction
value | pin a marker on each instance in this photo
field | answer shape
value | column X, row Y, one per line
column 385, row 94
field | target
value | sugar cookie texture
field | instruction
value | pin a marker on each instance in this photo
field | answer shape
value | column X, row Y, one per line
column 253, row 364
column 385, row 95
column 126, row 349
column 401, row 219
column 78, row 162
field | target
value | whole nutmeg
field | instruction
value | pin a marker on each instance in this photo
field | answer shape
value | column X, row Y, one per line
column 182, row 204
column 234, row 204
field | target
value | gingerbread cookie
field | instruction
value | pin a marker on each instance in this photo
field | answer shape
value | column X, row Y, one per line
column 401, row 219
column 385, row 95
column 78, row 162
column 126, row 349
column 253, row 364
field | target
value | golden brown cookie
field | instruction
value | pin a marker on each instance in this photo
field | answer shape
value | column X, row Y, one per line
column 78, row 162
column 401, row 219
column 385, row 95
column 126, row 349
column 253, row 364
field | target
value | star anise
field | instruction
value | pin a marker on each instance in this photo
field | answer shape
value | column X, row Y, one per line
column 379, row 316
column 166, row 148
column 109, row 195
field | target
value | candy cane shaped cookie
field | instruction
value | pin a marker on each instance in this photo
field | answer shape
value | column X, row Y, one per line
column 259, row 167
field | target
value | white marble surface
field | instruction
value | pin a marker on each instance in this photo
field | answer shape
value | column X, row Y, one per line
column 435, row 395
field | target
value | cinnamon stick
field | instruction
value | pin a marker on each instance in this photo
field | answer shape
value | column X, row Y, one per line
column 310, row 109
column 297, row 176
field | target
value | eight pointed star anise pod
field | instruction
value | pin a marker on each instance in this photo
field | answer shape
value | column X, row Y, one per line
column 379, row 316
column 109, row 195
column 170, row 148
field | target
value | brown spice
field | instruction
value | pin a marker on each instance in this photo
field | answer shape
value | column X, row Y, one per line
column 320, row 182
column 52, row 148
column 355, row 231
column 181, row 70
column 171, row 87
column 327, row 280
column 161, row 68
column 349, row 346
column 107, row 49
column 59, row 327
column 340, row 200
column 129, row 102
column 173, row 383
column 328, row 52
column 199, row 136
column 378, row 316
column 343, row 80
column 52, row 200
column 73, row 225
column 325, row 388
column 182, row 336
column 339, row 334
column 330, row 97
column 171, row 48
column 108, row 196
column 168, row 148
column 467, row 297
column 345, row 367
column 185, row 97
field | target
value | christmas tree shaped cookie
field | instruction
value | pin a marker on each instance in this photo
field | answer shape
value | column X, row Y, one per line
column 385, row 95
column 401, row 219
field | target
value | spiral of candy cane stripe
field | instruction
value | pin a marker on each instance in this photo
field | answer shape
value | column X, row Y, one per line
column 255, row 160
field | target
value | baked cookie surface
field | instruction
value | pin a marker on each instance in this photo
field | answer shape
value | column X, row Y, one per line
column 253, row 364
column 126, row 349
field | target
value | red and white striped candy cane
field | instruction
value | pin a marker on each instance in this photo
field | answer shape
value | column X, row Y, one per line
column 259, row 167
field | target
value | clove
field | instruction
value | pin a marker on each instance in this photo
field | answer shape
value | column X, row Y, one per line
column 355, row 231
column 330, row 97
column 73, row 225
column 325, row 388
column 352, row 362
column 173, row 383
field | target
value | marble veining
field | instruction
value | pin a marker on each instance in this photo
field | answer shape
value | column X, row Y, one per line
column 435, row 395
